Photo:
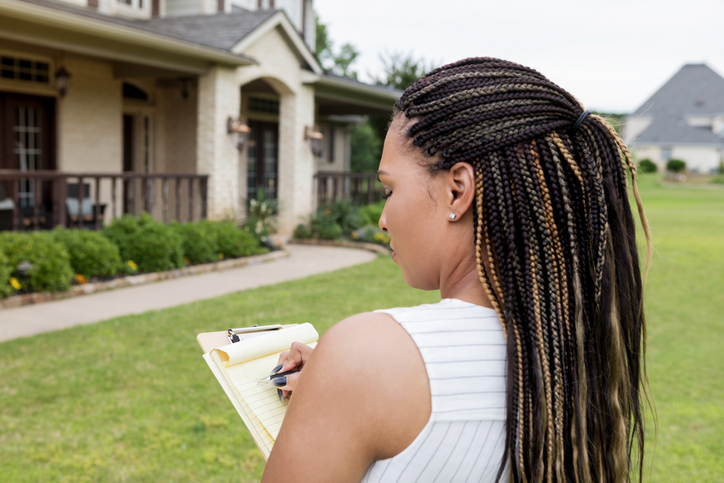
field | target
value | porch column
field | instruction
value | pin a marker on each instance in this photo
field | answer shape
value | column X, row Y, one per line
column 219, row 97
column 296, row 163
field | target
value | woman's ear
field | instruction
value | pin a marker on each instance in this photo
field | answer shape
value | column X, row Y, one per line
column 459, row 189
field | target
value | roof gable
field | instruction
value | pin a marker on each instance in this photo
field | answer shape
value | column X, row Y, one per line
column 280, row 21
column 694, row 89
column 221, row 31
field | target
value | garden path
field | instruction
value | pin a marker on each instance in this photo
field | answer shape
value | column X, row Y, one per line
column 303, row 262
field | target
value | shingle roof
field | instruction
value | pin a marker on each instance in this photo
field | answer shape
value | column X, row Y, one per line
column 695, row 89
column 222, row 31
column 667, row 129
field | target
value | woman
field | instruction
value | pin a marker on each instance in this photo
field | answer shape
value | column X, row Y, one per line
column 508, row 197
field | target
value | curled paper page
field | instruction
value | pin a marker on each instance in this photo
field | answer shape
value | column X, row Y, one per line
column 264, row 345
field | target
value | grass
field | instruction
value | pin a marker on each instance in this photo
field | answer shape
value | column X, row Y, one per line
column 130, row 399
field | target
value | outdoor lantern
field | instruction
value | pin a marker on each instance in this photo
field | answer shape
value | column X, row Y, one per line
column 315, row 138
column 240, row 130
column 62, row 81
column 24, row 269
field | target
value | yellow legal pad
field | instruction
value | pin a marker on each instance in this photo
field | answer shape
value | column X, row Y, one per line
column 238, row 366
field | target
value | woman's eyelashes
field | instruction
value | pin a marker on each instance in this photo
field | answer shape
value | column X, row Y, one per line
column 386, row 195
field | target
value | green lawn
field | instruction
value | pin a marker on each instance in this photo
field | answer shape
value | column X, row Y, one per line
column 130, row 399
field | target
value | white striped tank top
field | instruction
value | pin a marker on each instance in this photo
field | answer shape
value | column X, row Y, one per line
column 463, row 347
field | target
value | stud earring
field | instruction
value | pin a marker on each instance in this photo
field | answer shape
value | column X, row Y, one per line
column 453, row 216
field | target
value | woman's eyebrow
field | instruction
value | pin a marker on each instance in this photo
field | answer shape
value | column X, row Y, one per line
column 383, row 173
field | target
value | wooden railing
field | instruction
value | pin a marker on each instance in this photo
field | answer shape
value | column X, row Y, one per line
column 50, row 189
column 362, row 188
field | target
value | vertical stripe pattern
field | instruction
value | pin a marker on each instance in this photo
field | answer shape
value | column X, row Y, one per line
column 463, row 348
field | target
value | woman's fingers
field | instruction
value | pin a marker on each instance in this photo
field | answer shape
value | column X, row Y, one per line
column 295, row 357
column 286, row 383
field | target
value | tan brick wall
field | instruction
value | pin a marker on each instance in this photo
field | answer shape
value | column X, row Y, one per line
column 218, row 98
column 90, row 126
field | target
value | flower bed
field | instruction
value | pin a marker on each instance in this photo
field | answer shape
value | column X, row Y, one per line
column 55, row 260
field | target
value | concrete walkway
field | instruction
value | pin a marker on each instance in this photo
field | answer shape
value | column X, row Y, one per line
column 303, row 262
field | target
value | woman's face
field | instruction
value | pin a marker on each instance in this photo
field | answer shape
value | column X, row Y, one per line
column 412, row 215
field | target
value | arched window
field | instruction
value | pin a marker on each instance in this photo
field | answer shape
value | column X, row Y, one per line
column 132, row 92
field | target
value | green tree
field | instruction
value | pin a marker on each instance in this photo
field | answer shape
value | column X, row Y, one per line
column 338, row 63
column 366, row 148
column 401, row 70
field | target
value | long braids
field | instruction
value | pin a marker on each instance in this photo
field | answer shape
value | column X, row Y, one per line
column 552, row 219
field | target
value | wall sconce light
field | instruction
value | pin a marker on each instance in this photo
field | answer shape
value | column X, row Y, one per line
column 239, row 130
column 62, row 81
column 315, row 137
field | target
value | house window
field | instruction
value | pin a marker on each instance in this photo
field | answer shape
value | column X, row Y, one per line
column 132, row 92
column 665, row 154
column 264, row 105
column 331, row 144
column 26, row 70
column 132, row 3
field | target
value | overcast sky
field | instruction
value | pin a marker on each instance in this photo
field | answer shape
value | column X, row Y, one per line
column 612, row 55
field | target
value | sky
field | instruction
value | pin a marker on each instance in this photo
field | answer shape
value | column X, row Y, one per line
column 612, row 55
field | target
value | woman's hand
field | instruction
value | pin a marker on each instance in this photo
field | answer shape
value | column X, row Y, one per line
column 294, row 358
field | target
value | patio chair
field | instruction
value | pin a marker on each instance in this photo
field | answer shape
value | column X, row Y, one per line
column 87, row 210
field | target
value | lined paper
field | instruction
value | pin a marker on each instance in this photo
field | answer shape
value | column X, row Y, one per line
column 258, row 405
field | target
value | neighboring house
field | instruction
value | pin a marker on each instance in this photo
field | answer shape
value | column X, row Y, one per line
column 684, row 120
column 181, row 107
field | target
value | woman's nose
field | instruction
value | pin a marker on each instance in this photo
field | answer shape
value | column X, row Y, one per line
column 383, row 220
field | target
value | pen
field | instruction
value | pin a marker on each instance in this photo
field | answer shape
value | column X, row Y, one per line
column 270, row 378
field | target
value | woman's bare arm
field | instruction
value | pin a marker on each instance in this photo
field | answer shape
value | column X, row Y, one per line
column 363, row 395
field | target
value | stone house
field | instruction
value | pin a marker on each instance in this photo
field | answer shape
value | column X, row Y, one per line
column 684, row 120
column 178, row 107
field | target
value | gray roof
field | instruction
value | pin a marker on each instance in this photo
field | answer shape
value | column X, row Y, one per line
column 221, row 31
column 695, row 89
column 666, row 129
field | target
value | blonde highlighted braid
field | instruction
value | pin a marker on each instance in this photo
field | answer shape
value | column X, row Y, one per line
column 553, row 220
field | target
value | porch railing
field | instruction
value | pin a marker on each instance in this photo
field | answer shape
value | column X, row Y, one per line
column 361, row 188
column 32, row 192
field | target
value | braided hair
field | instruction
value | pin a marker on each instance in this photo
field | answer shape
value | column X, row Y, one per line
column 552, row 218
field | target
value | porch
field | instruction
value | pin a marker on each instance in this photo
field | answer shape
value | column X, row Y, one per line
column 35, row 200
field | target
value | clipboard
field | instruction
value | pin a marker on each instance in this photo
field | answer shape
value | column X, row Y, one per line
column 239, row 365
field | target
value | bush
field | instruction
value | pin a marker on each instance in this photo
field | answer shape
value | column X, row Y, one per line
column 647, row 166
column 371, row 214
column 233, row 242
column 262, row 219
column 153, row 246
column 346, row 214
column 51, row 270
column 198, row 241
column 303, row 231
column 676, row 165
column 330, row 231
column 372, row 234
column 5, row 271
column 91, row 253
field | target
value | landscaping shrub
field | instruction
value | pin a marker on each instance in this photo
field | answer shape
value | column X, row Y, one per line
column 5, row 271
column 262, row 219
column 647, row 166
column 330, row 231
column 303, row 231
column 346, row 214
column 51, row 270
column 153, row 246
column 371, row 214
column 91, row 253
column 371, row 234
column 676, row 165
column 198, row 241
column 233, row 242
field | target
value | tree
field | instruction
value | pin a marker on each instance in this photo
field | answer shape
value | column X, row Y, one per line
column 338, row 63
column 401, row 70
column 366, row 148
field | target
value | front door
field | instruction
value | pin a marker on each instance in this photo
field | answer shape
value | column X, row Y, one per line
column 27, row 132
column 262, row 166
